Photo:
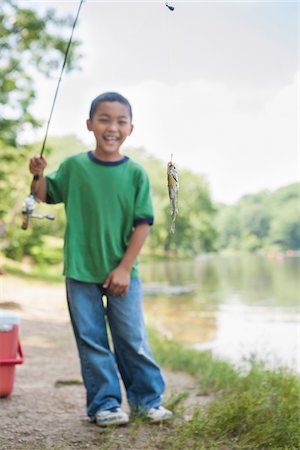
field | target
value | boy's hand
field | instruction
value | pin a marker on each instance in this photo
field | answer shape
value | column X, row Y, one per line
column 117, row 282
column 37, row 165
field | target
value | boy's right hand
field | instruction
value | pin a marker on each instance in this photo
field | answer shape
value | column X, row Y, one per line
column 37, row 165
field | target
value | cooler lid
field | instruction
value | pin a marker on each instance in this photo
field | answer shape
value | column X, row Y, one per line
column 9, row 318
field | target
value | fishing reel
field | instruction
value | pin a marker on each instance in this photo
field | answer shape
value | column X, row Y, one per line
column 28, row 212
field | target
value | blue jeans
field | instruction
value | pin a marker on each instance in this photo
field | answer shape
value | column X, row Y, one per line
column 132, row 356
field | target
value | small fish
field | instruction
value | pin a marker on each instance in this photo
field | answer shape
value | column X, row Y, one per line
column 173, row 187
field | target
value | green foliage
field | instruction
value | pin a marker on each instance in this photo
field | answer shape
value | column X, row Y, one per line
column 229, row 228
column 285, row 232
column 261, row 221
column 29, row 44
column 12, row 181
column 14, row 186
column 49, row 250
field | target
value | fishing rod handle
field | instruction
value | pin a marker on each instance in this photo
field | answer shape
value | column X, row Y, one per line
column 34, row 184
column 25, row 222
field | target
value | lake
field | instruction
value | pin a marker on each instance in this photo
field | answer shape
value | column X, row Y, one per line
column 237, row 306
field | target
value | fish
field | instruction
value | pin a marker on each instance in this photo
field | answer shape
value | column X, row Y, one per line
column 173, row 188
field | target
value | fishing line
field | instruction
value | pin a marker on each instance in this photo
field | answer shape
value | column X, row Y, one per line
column 170, row 7
column 60, row 77
column 30, row 201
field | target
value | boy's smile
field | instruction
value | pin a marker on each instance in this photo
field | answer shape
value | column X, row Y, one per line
column 111, row 125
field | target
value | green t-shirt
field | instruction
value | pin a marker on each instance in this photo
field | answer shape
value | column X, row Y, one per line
column 103, row 201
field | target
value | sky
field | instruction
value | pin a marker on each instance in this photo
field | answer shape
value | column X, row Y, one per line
column 214, row 83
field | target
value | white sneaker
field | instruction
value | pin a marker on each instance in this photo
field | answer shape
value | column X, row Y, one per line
column 159, row 414
column 113, row 416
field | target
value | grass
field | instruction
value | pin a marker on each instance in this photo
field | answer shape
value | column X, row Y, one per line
column 259, row 409
column 42, row 272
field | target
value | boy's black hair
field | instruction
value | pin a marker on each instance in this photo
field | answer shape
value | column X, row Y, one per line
column 109, row 97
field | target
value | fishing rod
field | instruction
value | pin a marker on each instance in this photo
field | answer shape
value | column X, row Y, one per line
column 30, row 201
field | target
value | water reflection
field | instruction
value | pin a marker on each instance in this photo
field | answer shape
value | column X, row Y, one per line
column 235, row 305
column 256, row 279
column 181, row 320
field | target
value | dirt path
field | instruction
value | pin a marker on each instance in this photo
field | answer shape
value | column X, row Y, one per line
column 44, row 411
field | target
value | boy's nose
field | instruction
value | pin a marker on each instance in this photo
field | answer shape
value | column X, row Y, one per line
column 113, row 126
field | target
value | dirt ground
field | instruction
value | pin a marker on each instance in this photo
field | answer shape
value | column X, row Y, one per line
column 47, row 407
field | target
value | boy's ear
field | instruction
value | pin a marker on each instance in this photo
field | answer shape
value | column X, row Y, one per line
column 89, row 124
column 132, row 127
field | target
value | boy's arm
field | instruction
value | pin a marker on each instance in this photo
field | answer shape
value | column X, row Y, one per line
column 118, row 280
column 39, row 188
column 37, row 165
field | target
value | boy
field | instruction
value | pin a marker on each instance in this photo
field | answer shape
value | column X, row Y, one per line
column 109, row 211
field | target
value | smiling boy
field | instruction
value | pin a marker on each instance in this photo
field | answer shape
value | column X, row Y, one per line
column 109, row 211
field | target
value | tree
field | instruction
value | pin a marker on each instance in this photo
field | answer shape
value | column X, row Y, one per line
column 285, row 231
column 29, row 44
column 229, row 227
column 256, row 221
column 263, row 220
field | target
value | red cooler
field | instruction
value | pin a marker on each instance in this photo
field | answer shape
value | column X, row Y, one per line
column 10, row 351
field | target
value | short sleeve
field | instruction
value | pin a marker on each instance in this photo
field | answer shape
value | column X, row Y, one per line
column 56, row 185
column 143, row 212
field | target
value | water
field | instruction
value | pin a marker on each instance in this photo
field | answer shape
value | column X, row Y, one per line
column 237, row 306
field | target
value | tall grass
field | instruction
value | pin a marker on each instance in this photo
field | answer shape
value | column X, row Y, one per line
column 259, row 409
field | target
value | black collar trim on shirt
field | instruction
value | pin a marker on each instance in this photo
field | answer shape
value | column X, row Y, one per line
column 106, row 163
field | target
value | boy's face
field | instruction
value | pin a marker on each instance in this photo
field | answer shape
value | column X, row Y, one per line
column 111, row 124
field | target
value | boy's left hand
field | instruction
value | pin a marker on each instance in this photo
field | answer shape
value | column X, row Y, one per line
column 117, row 282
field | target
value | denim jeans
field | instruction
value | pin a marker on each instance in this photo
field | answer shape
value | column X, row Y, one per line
column 132, row 357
